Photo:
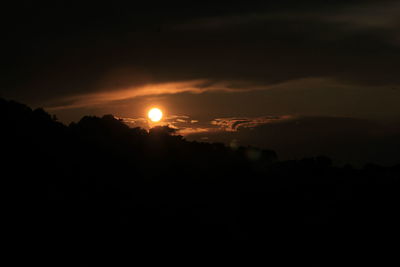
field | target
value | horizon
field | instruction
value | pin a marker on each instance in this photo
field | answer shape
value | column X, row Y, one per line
column 344, row 140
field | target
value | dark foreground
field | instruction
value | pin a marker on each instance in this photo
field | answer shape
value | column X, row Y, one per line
column 112, row 194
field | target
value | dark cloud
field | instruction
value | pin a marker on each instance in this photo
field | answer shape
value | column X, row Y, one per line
column 63, row 50
column 233, row 124
column 344, row 139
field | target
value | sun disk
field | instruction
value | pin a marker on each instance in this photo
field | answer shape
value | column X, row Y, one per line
column 155, row 114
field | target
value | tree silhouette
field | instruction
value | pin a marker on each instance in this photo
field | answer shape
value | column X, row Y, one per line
column 100, row 179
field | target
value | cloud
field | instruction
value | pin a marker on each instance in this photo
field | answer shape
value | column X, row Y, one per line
column 233, row 124
column 177, row 117
column 194, row 86
column 189, row 130
column 369, row 16
column 183, row 123
column 357, row 141
column 373, row 14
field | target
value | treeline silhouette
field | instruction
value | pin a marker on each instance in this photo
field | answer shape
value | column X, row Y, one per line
column 99, row 182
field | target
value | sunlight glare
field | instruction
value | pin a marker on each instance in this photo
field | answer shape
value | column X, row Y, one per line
column 155, row 114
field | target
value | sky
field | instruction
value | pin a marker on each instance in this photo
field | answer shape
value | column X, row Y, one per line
column 220, row 71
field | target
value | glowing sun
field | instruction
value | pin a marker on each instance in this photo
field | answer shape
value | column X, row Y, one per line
column 155, row 114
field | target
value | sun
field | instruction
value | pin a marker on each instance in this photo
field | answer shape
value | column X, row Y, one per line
column 155, row 114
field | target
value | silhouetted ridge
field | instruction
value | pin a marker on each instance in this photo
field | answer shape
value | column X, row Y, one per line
column 100, row 181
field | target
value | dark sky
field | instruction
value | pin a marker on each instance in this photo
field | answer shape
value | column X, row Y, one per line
column 204, row 63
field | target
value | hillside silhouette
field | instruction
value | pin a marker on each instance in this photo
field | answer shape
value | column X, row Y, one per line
column 98, row 182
